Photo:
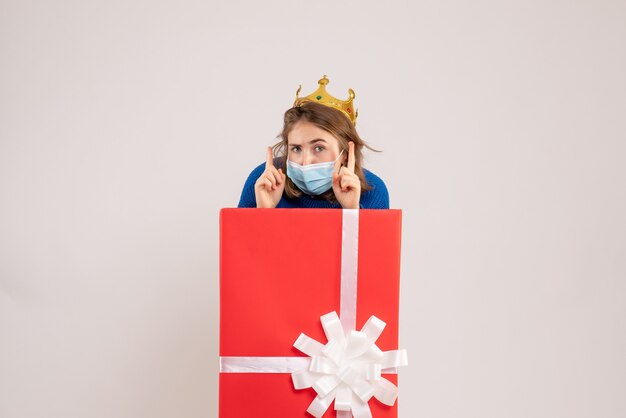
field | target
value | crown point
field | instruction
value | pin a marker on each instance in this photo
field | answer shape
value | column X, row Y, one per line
column 323, row 81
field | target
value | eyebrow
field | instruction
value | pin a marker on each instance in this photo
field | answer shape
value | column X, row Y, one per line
column 313, row 141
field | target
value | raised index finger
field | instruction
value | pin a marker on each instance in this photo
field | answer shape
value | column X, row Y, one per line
column 351, row 160
column 269, row 161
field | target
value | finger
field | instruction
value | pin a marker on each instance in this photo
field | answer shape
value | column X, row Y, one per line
column 264, row 183
column 348, row 175
column 351, row 160
column 349, row 183
column 349, row 187
column 260, row 182
column 270, row 176
column 277, row 176
column 342, row 179
column 269, row 161
column 283, row 177
column 344, row 173
column 345, row 184
column 337, row 175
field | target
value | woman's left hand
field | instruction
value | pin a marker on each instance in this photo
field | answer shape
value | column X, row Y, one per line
column 346, row 184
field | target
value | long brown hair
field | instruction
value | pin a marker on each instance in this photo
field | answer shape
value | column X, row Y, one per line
column 333, row 122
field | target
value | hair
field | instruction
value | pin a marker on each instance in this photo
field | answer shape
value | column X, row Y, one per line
column 332, row 121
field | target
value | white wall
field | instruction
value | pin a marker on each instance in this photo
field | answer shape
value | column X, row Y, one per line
column 126, row 125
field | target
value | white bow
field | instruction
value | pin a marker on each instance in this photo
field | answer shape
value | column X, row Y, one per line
column 348, row 368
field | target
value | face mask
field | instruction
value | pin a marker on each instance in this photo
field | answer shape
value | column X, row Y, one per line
column 312, row 179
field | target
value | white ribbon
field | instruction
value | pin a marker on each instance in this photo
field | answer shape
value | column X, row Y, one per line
column 234, row 364
column 349, row 267
column 347, row 369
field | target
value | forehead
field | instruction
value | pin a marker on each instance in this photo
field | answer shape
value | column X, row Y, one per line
column 304, row 132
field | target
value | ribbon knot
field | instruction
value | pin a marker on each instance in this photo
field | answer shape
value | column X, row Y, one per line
column 347, row 369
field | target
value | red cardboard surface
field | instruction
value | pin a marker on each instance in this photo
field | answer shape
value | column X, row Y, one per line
column 279, row 272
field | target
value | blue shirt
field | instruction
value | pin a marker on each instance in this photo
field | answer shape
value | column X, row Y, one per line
column 376, row 198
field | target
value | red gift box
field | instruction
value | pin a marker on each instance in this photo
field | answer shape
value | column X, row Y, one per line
column 280, row 270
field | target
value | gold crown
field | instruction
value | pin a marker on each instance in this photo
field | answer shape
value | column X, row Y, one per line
column 321, row 96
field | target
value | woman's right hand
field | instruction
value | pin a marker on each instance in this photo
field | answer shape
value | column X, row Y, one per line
column 268, row 189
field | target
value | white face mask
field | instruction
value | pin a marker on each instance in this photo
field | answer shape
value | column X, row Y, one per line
column 312, row 179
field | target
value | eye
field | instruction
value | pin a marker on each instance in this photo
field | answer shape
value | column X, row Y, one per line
column 295, row 148
column 319, row 148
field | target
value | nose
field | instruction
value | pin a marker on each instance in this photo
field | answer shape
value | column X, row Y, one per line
column 307, row 158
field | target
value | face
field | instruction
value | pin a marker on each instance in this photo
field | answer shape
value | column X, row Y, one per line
column 308, row 144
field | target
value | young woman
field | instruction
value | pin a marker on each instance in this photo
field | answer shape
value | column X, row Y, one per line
column 318, row 163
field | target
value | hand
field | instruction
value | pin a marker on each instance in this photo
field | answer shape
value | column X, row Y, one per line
column 346, row 184
column 269, row 187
